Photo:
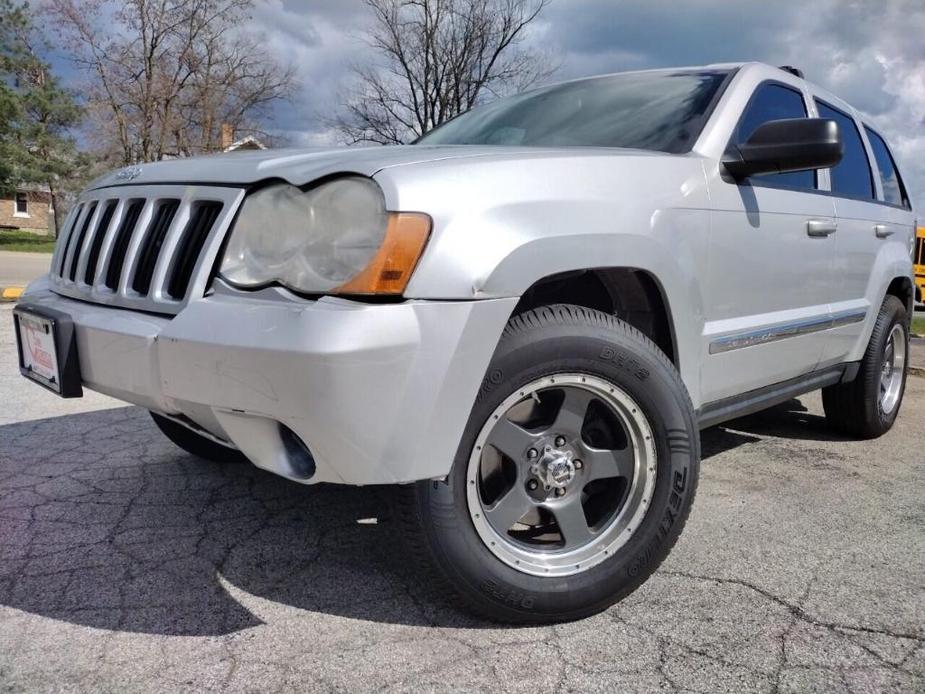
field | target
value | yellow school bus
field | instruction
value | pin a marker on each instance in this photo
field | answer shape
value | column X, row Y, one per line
column 919, row 259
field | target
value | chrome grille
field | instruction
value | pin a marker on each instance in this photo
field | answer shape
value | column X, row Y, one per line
column 149, row 248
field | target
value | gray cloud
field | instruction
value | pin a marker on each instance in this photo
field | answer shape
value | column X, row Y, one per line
column 872, row 54
column 322, row 39
column 869, row 52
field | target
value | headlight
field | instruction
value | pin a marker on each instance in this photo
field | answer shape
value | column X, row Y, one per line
column 336, row 238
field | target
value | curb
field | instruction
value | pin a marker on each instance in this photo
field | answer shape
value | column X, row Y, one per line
column 915, row 369
column 11, row 293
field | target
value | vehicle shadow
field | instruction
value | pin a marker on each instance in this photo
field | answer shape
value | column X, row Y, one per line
column 789, row 420
column 104, row 523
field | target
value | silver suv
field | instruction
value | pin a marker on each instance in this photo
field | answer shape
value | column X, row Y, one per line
column 524, row 319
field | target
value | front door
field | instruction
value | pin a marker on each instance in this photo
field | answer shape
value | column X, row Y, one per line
column 772, row 247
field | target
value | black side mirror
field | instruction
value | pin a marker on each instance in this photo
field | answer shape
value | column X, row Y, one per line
column 791, row 144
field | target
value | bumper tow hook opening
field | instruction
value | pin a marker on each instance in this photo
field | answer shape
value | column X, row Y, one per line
column 300, row 458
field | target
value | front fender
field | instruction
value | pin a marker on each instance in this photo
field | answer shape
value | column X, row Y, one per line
column 499, row 227
column 542, row 257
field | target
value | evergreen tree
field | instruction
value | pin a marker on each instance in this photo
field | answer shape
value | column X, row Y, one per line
column 36, row 112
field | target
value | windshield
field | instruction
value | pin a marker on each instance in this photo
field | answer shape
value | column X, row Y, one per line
column 661, row 111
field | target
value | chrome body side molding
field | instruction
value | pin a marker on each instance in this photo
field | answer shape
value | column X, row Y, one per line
column 782, row 331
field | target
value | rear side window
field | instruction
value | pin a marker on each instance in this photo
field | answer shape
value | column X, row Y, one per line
column 775, row 102
column 894, row 192
column 851, row 177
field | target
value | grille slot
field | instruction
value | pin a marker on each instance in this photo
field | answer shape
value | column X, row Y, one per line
column 97, row 242
column 151, row 246
column 120, row 244
column 143, row 247
column 190, row 246
column 73, row 249
column 65, row 240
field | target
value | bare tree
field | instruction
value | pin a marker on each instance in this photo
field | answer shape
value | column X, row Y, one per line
column 166, row 74
column 441, row 57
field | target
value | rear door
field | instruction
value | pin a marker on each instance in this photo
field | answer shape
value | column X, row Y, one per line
column 771, row 252
column 871, row 217
column 859, row 216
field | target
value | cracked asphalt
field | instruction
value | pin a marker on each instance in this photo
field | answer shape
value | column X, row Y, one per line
column 128, row 565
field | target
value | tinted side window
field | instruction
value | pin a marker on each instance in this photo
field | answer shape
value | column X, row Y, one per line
column 774, row 102
column 894, row 192
column 852, row 176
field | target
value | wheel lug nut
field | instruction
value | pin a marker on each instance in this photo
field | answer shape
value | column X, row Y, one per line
column 531, row 454
column 533, row 484
column 578, row 464
column 560, row 441
column 560, row 491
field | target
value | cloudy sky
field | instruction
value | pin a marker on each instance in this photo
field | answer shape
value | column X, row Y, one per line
column 869, row 52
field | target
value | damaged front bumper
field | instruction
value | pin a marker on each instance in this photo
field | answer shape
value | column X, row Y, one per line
column 378, row 393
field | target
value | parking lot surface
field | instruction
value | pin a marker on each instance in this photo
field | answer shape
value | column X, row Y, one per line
column 129, row 565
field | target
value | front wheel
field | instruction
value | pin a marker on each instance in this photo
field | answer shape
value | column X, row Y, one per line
column 574, row 477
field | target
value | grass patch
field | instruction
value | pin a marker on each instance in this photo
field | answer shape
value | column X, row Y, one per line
column 918, row 325
column 24, row 241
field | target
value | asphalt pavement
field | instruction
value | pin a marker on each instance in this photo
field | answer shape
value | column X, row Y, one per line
column 18, row 269
column 128, row 565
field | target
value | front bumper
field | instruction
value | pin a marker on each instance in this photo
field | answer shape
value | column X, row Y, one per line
column 378, row 393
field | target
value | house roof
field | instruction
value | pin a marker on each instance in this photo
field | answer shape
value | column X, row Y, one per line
column 31, row 188
column 249, row 142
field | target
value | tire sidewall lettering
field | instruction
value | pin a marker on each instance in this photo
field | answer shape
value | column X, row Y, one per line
column 625, row 361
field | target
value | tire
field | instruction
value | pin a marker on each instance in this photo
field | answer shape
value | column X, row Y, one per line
column 586, row 350
column 858, row 408
column 200, row 446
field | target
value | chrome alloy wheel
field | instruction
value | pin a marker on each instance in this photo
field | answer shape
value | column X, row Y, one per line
column 891, row 372
column 561, row 474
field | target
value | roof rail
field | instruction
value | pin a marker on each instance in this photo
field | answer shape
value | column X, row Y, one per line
column 792, row 70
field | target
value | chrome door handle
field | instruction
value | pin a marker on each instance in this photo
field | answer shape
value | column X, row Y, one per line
column 820, row 228
column 882, row 231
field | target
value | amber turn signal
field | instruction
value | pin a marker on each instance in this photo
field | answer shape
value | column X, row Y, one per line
column 390, row 269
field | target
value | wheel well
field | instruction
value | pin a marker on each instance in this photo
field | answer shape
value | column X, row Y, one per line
column 630, row 294
column 901, row 288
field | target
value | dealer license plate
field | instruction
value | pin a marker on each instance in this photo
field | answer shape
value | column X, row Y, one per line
column 37, row 351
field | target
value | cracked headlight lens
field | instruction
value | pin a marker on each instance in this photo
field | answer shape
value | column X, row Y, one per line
column 335, row 238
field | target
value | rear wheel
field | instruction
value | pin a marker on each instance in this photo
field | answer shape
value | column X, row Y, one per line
column 574, row 477
column 867, row 406
column 198, row 445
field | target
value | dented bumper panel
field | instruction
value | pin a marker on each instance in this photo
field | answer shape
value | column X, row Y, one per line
column 378, row 393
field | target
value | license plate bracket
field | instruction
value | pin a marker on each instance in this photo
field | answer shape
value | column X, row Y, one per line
column 47, row 348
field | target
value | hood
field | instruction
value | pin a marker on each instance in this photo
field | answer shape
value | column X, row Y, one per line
column 300, row 166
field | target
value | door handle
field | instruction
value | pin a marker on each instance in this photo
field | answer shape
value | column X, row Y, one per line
column 820, row 228
column 882, row 231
